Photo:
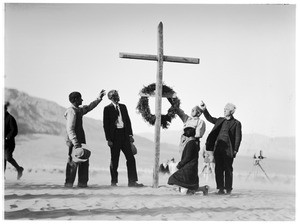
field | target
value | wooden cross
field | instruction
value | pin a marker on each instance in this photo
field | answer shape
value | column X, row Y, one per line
column 160, row 58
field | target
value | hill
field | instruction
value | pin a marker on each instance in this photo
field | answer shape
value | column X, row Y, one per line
column 40, row 117
column 277, row 147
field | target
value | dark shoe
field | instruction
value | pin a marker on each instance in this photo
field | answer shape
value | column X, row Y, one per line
column 20, row 173
column 221, row 191
column 190, row 192
column 135, row 184
column 68, row 185
column 113, row 184
column 82, row 185
column 228, row 191
column 205, row 191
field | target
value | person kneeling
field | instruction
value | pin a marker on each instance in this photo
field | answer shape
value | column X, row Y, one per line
column 186, row 177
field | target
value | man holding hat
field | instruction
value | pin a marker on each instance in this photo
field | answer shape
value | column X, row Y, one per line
column 78, row 156
column 224, row 139
column 118, row 133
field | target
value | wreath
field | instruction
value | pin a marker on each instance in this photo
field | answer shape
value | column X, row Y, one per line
column 144, row 109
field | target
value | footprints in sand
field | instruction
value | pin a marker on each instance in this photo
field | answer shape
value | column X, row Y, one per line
column 33, row 201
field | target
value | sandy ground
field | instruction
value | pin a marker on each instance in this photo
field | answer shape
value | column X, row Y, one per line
column 40, row 195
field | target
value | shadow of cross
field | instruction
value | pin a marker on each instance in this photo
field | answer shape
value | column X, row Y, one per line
column 160, row 58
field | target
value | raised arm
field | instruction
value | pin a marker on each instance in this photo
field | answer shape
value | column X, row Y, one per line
column 207, row 114
column 183, row 116
column 92, row 105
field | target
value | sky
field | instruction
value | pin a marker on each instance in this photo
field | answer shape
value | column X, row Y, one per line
column 247, row 57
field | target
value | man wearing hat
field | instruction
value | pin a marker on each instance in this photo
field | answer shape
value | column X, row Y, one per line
column 224, row 139
column 11, row 131
column 78, row 156
column 118, row 133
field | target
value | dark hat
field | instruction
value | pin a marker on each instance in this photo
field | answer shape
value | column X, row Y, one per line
column 81, row 155
column 73, row 96
column 189, row 132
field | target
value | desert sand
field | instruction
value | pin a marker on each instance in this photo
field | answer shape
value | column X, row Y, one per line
column 40, row 194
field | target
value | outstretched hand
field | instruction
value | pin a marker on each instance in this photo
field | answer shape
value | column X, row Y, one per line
column 102, row 94
column 202, row 105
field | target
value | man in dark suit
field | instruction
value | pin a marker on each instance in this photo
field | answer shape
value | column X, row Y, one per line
column 118, row 133
column 224, row 139
column 11, row 131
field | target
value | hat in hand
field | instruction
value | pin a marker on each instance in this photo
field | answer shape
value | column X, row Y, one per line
column 80, row 155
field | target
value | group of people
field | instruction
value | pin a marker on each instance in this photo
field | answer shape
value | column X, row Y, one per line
column 223, row 141
column 118, row 133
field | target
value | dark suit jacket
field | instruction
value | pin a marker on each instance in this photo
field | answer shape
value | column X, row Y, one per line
column 110, row 117
column 10, row 129
column 235, row 132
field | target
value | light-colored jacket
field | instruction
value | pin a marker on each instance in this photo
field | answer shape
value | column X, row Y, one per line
column 73, row 115
column 194, row 122
column 189, row 121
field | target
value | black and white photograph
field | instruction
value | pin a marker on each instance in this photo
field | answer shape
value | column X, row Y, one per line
column 152, row 111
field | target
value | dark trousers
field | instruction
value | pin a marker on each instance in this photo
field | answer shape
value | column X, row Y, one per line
column 122, row 143
column 83, row 172
column 8, row 155
column 223, row 167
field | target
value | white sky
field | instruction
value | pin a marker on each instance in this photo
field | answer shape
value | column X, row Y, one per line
column 247, row 57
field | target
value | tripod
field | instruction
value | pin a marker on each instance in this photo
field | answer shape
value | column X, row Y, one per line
column 208, row 166
column 257, row 166
column 207, row 170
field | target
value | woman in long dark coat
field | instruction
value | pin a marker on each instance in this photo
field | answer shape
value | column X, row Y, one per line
column 187, row 174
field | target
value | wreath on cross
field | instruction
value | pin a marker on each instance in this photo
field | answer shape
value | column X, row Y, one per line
column 144, row 109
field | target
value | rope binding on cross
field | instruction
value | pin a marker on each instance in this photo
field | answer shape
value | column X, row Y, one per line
column 144, row 109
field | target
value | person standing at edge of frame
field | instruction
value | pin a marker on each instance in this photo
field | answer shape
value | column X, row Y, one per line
column 11, row 131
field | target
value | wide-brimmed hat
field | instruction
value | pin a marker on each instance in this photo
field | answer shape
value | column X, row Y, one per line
column 189, row 131
column 81, row 155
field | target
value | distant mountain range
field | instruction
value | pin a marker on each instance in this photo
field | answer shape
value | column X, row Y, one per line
column 36, row 116
column 278, row 147
column 39, row 116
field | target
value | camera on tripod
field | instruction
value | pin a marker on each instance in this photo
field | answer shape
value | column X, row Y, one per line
column 257, row 166
column 257, row 159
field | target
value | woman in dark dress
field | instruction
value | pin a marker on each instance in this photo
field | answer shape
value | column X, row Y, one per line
column 187, row 174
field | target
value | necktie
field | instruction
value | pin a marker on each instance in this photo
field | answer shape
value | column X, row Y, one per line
column 117, row 110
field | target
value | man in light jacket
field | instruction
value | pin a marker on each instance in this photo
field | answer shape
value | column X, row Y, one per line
column 76, row 137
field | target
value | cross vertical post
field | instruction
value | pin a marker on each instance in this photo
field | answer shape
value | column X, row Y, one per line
column 158, row 99
column 160, row 58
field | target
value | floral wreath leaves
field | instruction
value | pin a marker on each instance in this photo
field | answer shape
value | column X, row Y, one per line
column 144, row 109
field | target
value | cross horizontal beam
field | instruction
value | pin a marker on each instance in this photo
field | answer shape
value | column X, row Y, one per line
column 151, row 57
